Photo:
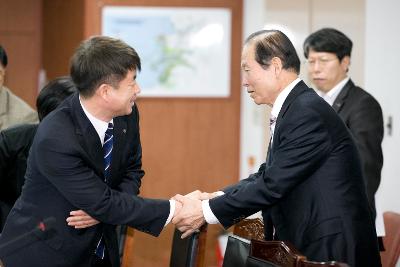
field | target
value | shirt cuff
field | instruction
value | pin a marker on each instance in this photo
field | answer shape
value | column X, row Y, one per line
column 207, row 212
column 171, row 211
column 220, row 193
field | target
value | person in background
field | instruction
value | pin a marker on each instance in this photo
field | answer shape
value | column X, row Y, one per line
column 13, row 110
column 16, row 141
column 309, row 187
column 328, row 53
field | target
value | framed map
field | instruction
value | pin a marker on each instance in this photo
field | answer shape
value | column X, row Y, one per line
column 185, row 52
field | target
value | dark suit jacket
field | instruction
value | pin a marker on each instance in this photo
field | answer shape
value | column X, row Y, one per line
column 362, row 114
column 309, row 186
column 15, row 143
column 65, row 172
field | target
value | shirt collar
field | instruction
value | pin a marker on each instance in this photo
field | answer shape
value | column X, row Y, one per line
column 99, row 125
column 332, row 94
column 276, row 108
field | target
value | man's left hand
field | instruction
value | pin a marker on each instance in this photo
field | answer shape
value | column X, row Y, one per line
column 80, row 219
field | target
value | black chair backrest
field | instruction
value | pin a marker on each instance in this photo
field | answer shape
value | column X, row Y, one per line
column 188, row 252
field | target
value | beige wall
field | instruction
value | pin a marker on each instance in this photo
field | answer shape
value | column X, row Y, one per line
column 382, row 58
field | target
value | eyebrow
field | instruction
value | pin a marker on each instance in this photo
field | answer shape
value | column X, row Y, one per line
column 243, row 65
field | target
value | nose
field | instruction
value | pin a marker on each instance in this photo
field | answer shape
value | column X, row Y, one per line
column 245, row 83
column 316, row 67
column 137, row 89
column 312, row 71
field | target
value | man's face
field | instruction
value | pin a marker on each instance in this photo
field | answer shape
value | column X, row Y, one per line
column 325, row 70
column 260, row 83
column 123, row 97
column 2, row 74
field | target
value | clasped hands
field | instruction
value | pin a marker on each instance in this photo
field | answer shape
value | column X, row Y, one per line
column 188, row 216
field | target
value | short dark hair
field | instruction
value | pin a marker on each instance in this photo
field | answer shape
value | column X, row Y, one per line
column 274, row 43
column 102, row 59
column 3, row 57
column 51, row 96
column 328, row 40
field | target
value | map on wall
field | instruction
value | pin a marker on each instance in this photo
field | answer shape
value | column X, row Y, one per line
column 185, row 52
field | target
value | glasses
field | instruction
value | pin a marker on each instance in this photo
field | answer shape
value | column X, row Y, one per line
column 321, row 61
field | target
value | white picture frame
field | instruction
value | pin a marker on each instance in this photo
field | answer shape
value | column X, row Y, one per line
column 185, row 52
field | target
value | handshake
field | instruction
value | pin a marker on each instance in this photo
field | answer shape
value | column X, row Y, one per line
column 188, row 216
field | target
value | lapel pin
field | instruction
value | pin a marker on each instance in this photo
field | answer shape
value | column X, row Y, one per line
column 124, row 131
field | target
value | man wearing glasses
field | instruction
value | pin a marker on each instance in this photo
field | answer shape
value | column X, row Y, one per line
column 328, row 54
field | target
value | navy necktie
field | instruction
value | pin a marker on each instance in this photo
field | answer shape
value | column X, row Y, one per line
column 107, row 151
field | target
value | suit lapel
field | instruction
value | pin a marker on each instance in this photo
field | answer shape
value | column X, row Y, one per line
column 299, row 88
column 341, row 98
column 269, row 154
column 87, row 136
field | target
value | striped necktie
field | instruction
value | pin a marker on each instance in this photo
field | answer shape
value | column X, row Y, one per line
column 107, row 151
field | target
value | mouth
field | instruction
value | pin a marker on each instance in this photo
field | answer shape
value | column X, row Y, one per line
column 318, row 79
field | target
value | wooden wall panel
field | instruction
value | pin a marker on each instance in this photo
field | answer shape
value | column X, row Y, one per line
column 20, row 15
column 188, row 143
column 62, row 33
column 20, row 35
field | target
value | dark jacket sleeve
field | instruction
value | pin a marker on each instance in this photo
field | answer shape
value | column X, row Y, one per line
column 366, row 125
column 245, row 181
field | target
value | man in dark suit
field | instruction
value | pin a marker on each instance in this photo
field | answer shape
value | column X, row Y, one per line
column 328, row 54
column 308, row 188
column 16, row 141
column 84, row 169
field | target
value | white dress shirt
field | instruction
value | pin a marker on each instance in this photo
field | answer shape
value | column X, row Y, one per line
column 332, row 94
column 99, row 125
column 276, row 108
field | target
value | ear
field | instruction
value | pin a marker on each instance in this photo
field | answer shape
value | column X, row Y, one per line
column 345, row 63
column 103, row 91
column 276, row 63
